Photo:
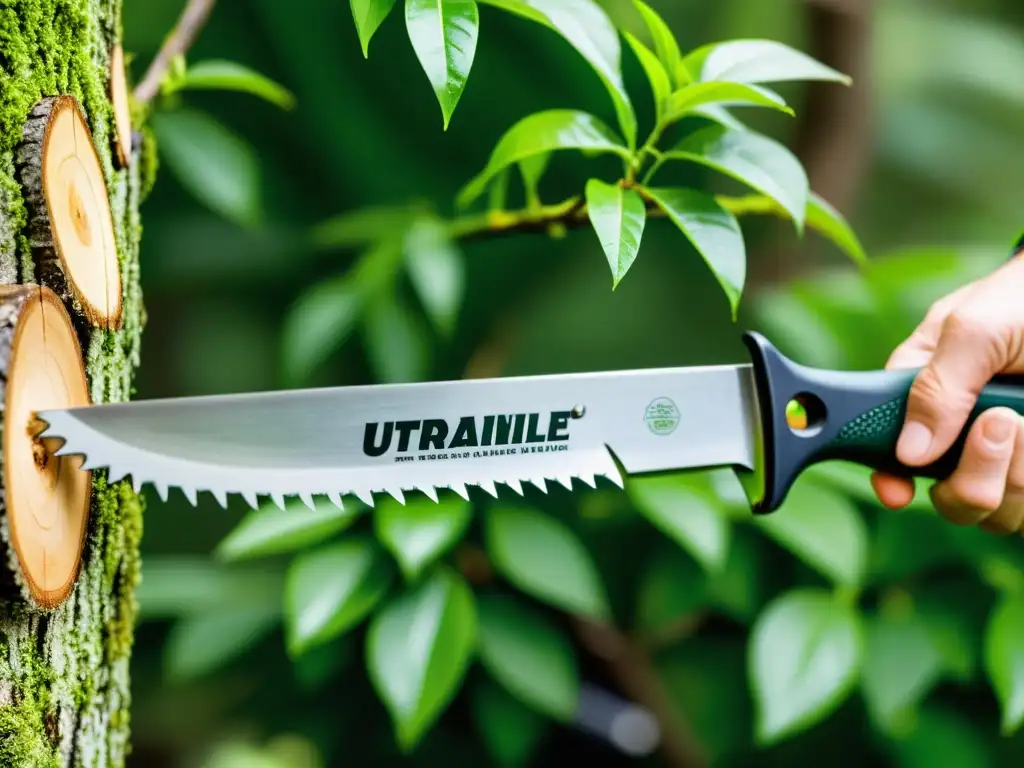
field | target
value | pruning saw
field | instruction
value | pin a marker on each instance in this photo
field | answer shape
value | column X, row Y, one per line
column 769, row 419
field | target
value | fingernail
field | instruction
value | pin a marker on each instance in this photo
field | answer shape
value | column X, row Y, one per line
column 998, row 431
column 914, row 442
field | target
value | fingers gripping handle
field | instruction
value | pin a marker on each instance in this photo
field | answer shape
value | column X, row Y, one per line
column 856, row 416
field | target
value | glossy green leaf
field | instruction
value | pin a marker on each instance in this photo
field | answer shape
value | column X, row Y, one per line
column 202, row 644
column 718, row 114
column 418, row 649
column 672, row 587
column 824, row 529
column 532, row 169
column 1004, row 659
column 762, row 163
column 214, row 164
column 713, row 232
column 737, row 589
column 529, row 656
column 330, row 590
column 323, row 318
column 665, row 44
column 757, row 61
column 618, row 216
column 901, row 665
column 806, row 650
column 679, row 508
column 218, row 74
column 661, row 85
column 420, row 531
column 396, row 341
column 588, row 29
column 827, row 221
column 702, row 95
column 437, row 270
column 368, row 16
column 540, row 133
column 544, row 558
column 443, row 35
column 511, row 731
column 271, row 531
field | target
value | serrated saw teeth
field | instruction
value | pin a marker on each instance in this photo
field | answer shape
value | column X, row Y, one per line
column 397, row 495
column 461, row 489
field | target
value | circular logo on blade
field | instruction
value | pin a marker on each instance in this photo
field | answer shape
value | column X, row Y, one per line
column 662, row 416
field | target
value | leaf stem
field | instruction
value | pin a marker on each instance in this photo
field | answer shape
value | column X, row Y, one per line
column 572, row 213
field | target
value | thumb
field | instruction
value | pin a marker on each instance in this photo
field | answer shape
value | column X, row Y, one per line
column 968, row 354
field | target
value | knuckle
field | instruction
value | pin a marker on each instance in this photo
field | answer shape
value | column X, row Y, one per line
column 983, row 494
column 969, row 322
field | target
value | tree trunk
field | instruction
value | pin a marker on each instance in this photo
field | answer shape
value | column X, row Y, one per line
column 64, row 671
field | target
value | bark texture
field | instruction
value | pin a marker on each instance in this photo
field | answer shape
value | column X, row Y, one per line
column 64, row 682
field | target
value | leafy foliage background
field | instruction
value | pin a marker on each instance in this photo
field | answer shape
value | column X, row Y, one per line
column 831, row 630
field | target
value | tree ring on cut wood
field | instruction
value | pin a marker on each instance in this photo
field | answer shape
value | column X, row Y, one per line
column 122, row 112
column 45, row 498
column 71, row 228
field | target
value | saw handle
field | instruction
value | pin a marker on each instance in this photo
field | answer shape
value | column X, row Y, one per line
column 854, row 416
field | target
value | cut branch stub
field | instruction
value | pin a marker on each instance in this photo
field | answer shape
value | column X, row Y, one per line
column 45, row 497
column 71, row 228
column 122, row 112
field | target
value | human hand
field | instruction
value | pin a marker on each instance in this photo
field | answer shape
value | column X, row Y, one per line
column 965, row 339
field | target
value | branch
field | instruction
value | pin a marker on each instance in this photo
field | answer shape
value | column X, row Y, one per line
column 572, row 213
column 635, row 675
column 190, row 23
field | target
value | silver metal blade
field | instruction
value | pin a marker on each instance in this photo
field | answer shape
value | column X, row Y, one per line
column 422, row 437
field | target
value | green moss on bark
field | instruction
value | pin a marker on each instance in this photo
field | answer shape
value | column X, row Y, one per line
column 64, row 683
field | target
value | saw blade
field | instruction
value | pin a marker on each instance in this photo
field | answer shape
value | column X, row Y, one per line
column 398, row 438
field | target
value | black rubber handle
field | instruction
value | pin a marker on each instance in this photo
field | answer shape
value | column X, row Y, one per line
column 851, row 415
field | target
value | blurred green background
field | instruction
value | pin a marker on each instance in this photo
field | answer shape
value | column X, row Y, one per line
column 925, row 160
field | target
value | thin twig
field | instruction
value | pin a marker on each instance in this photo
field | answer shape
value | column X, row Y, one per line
column 190, row 23
column 572, row 213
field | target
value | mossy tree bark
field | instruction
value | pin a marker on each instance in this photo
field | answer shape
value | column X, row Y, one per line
column 64, row 671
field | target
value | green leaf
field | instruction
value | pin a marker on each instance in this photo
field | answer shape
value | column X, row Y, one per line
column 532, row 170
column 943, row 737
column 368, row 16
column 218, row 74
column 437, row 271
column 736, row 589
column 529, row 656
column 673, row 586
column 805, row 654
column 664, row 41
column 323, row 318
column 214, row 164
column 271, row 531
column 199, row 645
column 418, row 649
column 1004, row 659
column 702, row 95
column 330, row 590
column 364, row 226
column 396, row 341
column 185, row 586
column 757, row 61
column 682, row 510
column 588, row 29
column 827, row 221
column 661, row 85
column 420, row 531
column 901, row 665
column 762, row 163
column 542, row 557
column 824, row 529
column 618, row 216
column 541, row 133
column 443, row 34
column 510, row 730
column 713, row 231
